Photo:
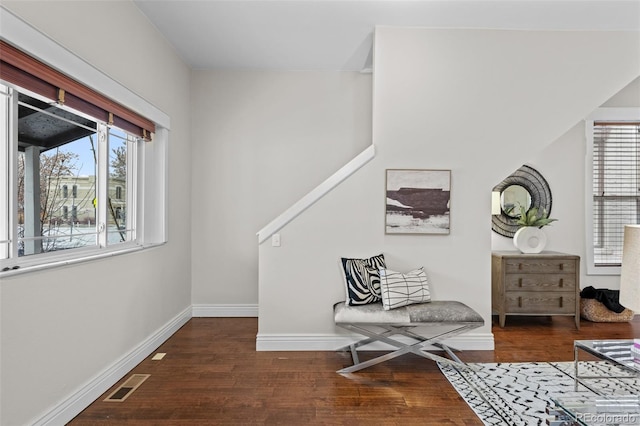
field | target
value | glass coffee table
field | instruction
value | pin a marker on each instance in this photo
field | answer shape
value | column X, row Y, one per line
column 591, row 407
column 617, row 352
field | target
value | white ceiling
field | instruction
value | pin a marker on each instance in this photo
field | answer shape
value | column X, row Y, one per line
column 337, row 35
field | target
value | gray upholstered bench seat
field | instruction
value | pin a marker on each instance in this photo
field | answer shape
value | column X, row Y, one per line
column 368, row 320
column 437, row 311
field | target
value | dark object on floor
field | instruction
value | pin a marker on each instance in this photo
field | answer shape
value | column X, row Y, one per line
column 609, row 298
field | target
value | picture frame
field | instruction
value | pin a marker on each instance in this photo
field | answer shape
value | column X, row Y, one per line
column 417, row 201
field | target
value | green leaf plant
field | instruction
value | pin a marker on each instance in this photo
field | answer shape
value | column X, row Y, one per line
column 533, row 217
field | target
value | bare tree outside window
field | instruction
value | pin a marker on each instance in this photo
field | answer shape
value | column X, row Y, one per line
column 59, row 169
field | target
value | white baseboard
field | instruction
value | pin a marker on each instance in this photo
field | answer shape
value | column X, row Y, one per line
column 300, row 342
column 331, row 342
column 70, row 407
column 230, row 310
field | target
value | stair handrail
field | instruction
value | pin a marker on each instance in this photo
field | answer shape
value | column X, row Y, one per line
column 317, row 193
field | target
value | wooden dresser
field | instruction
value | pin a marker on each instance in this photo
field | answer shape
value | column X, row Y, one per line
column 546, row 283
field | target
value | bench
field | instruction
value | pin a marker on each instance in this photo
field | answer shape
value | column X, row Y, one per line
column 376, row 324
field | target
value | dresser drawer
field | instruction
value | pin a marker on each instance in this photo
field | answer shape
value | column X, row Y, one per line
column 535, row 303
column 540, row 282
column 540, row 266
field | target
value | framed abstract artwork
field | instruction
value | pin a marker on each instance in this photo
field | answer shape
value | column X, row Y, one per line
column 418, row 201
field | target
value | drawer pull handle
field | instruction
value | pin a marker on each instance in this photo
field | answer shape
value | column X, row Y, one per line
column 561, row 281
column 519, row 282
column 562, row 266
column 561, row 301
column 519, row 301
column 520, row 266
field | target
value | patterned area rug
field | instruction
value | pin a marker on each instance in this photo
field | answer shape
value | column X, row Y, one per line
column 518, row 393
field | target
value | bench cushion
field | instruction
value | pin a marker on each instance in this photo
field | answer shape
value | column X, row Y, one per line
column 436, row 311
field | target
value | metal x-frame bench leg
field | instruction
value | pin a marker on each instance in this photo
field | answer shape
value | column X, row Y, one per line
column 403, row 348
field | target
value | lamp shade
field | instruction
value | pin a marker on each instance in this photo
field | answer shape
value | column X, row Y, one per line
column 630, row 271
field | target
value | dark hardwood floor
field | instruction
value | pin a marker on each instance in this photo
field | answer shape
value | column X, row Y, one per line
column 212, row 375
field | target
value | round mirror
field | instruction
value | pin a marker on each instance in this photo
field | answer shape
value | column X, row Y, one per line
column 512, row 197
column 527, row 187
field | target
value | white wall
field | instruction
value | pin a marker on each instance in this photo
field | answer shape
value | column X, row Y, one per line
column 61, row 328
column 261, row 141
column 562, row 163
column 471, row 101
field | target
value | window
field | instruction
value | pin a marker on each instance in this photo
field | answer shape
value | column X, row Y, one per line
column 78, row 174
column 613, row 165
column 60, row 149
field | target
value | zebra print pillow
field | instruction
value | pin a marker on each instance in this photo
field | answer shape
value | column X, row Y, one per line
column 398, row 289
column 362, row 279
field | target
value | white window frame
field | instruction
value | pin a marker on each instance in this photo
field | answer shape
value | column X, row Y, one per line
column 5, row 154
column 601, row 114
column 151, row 172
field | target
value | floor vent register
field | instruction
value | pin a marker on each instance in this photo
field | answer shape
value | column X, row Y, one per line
column 127, row 388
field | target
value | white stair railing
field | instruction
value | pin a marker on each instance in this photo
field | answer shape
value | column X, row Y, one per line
column 318, row 192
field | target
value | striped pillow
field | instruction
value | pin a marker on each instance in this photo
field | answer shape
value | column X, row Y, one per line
column 362, row 279
column 398, row 289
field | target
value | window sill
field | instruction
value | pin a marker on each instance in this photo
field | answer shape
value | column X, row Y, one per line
column 603, row 270
column 58, row 262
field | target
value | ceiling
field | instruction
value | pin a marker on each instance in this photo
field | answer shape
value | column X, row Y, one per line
column 337, row 35
column 46, row 126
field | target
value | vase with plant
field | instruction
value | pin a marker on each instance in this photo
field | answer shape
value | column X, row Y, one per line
column 530, row 238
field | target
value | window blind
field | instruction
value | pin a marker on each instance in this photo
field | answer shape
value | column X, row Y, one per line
column 25, row 71
column 616, row 187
